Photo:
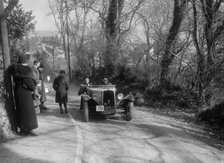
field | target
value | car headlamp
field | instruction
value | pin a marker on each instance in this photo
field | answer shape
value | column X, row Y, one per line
column 120, row 96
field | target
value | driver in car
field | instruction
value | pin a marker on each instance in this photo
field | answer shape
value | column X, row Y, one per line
column 82, row 89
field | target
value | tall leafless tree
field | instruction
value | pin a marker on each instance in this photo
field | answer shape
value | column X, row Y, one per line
column 213, row 29
column 178, row 15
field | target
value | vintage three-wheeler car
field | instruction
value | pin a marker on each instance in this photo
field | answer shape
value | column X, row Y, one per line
column 102, row 99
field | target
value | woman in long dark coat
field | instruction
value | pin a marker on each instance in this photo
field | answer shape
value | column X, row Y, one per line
column 61, row 87
column 24, row 86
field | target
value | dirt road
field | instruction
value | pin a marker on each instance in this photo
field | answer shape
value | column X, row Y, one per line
column 147, row 138
column 64, row 138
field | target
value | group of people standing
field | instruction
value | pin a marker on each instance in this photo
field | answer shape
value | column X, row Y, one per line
column 39, row 93
column 29, row 93
column 29, row 87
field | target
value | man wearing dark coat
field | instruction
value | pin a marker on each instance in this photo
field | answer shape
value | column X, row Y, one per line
column 24, row 86
column 61, row 87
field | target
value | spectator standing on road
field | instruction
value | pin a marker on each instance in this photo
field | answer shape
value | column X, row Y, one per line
column 43, row 97
column 25, row 84
column 36, row 74
column 61, row 87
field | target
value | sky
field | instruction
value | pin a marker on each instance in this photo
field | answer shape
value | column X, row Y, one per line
column 40, row 10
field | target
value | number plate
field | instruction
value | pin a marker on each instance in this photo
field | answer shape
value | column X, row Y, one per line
column 99, row 108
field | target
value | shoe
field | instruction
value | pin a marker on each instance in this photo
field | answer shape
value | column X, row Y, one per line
column 23, row 132
column 44, row 108
column 31, row 133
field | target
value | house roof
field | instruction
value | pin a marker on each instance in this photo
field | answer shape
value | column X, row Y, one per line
column 46, row 33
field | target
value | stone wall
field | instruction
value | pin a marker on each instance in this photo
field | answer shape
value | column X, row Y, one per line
column 5, row 132
column 5, row 128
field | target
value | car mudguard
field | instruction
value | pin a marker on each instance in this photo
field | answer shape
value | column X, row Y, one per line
column 124, row 102
column 86, row 97
column 129, row 97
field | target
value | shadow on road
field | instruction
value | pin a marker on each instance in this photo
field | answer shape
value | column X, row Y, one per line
column 8, row 156
column 178, row 132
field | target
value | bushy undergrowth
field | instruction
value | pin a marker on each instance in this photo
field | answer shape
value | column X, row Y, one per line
column 172, row 95
column 213, row 117
column 146, row 92
column 127, row 82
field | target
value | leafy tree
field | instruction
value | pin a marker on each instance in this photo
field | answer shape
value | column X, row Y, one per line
column 19, row 23
column 4, row 123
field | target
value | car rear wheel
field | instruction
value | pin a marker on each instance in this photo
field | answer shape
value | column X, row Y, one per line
column 129, row 111
column 85, row 111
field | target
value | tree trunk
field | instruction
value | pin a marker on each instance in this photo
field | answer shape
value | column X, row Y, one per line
column 209, row 10
column 179, row 8
column 111, row 34
column 200, row 56
column 7, row 76
column 68, row 42
column 212, row 31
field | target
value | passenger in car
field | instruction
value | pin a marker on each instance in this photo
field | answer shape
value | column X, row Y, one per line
column 106, row 82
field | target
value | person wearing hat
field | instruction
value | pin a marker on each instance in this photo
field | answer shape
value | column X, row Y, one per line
column 83, row 89
column 36, row 64
column 106, row 82
column 83, row 86
column 61, row 87
column 25, row 84
column 37, row 95
column 42, row 90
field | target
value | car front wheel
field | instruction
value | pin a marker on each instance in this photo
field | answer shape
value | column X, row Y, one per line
column 129, row 111
column 85, row 111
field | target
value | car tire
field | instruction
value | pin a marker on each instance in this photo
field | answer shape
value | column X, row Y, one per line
column 85, row 111
column 129, row 112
